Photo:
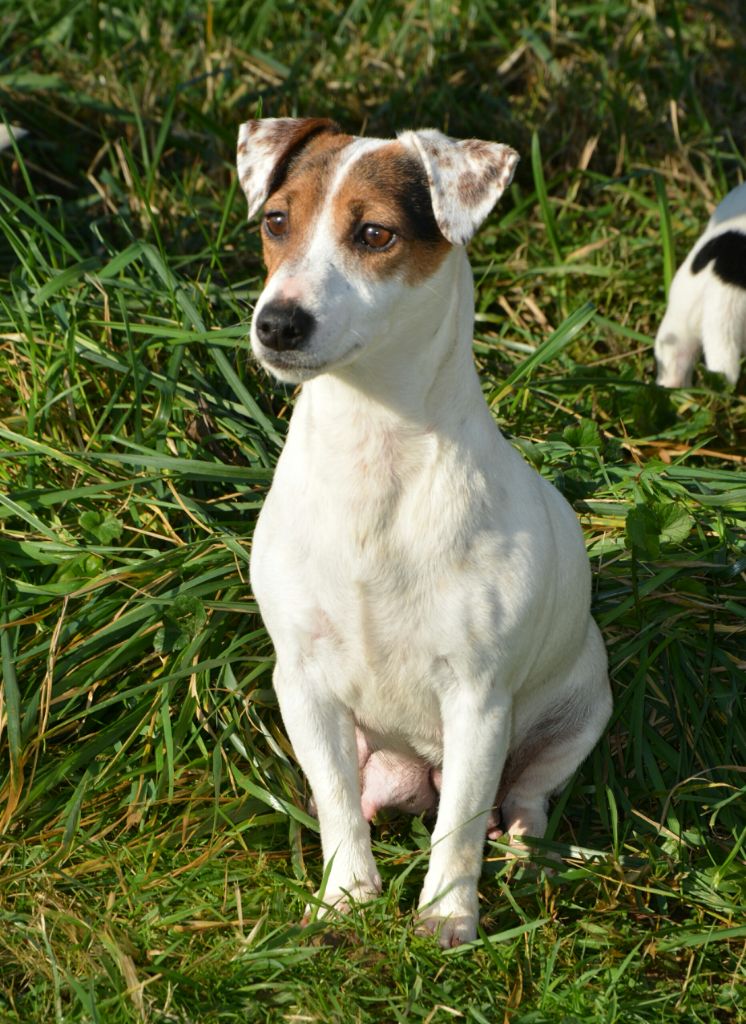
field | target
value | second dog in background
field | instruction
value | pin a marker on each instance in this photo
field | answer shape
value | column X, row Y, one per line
column 707, row 302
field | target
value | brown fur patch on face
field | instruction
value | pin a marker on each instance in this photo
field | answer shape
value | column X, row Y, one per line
column 300, row 195
column 290, row 141
column 389, row 187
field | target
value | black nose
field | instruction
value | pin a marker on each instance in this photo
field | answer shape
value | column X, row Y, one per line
column 284, row 325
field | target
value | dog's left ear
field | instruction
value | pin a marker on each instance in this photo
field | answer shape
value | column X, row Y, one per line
column 265, row 149
column 466, row 178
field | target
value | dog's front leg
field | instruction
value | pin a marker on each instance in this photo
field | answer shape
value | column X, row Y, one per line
column 476, row 733
column 322, row 732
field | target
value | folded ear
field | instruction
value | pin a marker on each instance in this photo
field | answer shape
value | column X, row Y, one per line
column 265, row 148
column 466, row 178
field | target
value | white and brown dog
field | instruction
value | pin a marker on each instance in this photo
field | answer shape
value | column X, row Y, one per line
column 707, row 301
column 427, row 592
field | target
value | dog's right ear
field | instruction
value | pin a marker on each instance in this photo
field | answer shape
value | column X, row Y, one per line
column 265, row 148
column 466, row 178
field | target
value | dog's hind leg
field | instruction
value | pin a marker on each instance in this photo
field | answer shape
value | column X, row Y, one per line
column 677, row 343
column 679, row 338
column 553, row 745
column 724, row 328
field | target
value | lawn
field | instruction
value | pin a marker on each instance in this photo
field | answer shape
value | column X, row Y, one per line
column 155, row 854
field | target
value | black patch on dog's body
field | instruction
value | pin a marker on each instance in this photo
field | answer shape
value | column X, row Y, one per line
column 728, row 250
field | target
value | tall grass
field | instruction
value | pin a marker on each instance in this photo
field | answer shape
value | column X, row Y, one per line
column 155, row 850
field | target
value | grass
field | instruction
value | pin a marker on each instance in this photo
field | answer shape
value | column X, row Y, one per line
column 155, row 855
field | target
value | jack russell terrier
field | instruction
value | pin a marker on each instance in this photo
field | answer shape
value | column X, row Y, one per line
column 707, row 300
column 427, row 593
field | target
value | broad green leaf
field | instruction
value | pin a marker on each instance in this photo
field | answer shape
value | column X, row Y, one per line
column 674, row 522
column 642, row 533
column 105, row 527
column 583, row 435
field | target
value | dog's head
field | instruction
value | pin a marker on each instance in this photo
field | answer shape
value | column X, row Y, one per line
column 353, row 228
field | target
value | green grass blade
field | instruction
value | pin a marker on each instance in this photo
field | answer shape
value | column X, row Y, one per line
column 550, row 349
column 666, row 233
column 537, row 169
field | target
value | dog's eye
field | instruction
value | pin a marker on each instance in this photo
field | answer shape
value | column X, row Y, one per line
column 373, row 236
column 276, row 223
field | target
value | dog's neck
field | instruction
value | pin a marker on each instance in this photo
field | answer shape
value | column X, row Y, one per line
column 422, row 377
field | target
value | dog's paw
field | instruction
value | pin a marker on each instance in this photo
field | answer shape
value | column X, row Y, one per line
column 449, row 931
column 340, row 901
column 451, row 916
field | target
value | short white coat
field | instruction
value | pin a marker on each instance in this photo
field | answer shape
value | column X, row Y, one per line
column 418, row 579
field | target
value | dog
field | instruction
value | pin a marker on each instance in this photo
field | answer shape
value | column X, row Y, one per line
column 707, row 300
column 426, row 592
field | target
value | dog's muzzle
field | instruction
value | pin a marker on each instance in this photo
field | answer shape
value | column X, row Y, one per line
column 284, row 326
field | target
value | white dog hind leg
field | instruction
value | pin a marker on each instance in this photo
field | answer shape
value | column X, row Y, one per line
column 475, row 742
column 724, row 328
column 323, row 736
column 678, row 341
column 558, row 741
column 675, row 353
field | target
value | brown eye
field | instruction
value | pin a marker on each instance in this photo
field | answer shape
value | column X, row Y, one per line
column 276, row 223
column 373, row 236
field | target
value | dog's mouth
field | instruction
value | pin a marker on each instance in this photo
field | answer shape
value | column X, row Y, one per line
column 295, row 367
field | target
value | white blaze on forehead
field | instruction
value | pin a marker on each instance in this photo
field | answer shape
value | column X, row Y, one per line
column 349, row 156
column 295, row 277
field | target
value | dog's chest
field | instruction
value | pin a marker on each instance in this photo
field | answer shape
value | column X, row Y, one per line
column 391, row 564
column 372, row 498
column 367, row 559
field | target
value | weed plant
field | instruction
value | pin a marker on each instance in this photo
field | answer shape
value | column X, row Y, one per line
column 155, row 853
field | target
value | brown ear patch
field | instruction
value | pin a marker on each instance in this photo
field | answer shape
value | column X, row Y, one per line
column 294, row 142
column 473, row 188
column 266, row 149
column 388, row 186
column 300, row 193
